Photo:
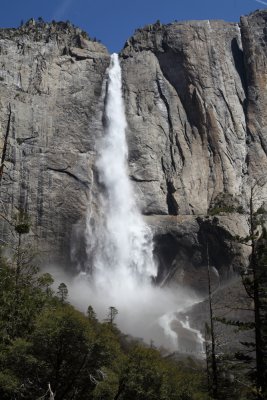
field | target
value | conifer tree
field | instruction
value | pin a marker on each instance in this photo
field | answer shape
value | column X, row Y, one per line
column 91, row 314
column 62, row 292
column 112, row 313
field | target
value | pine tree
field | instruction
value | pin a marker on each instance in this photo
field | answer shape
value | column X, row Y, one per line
column 91, row 314
column 112, row 313
column 62, row 292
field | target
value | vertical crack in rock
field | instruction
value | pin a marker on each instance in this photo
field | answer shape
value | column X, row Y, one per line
column 210, row 140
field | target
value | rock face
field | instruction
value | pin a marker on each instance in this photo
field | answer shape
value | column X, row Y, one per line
column 186, row 114
column 196, row 114
column 51, row 81
column 195, row 99
column 253, row 29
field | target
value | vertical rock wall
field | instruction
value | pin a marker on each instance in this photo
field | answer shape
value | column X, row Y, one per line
column 185, row 95
column 195, row 99
column 51, row 79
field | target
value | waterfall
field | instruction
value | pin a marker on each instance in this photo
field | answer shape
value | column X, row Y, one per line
column 120, row 244
column 127, row 246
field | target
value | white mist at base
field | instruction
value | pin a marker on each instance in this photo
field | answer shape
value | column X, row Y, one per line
column 199, row 339
column 165, row 321
column 120, row 246
column 145, row 311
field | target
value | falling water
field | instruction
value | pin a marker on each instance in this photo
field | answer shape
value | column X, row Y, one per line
column 127, row 247
column 197, row 338
column 120, row 246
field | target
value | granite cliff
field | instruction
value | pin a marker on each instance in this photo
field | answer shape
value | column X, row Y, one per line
column 195, row 99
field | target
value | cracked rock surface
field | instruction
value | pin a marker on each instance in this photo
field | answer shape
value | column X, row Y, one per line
column 186, row 115
column 51, row 79
column 195, row 100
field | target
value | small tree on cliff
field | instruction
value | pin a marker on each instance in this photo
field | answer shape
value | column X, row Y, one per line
column 62, row 292
column 91, row 314
column 22, row 227
column 112, row 313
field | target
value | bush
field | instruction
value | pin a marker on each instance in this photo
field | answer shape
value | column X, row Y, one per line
column 225, row 203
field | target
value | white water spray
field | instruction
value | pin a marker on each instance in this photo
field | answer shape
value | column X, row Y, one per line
column 197, row 338
column 121, row 246
column 128, row 247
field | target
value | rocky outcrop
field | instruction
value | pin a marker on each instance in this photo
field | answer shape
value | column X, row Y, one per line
column 51, row 81
column 195, row 99
column 181, row 248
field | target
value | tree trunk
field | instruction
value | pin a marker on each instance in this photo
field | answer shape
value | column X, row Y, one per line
column 212, row 334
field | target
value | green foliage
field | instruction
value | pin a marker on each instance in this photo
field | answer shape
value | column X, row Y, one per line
column 225, row 203
column 63, row 342
column 45, row 282
column 147, row 376
column 62, row 292
column 22, row 223
column 91, row 314
column 221, row 209
column 142, row 378
column 107, row 388
column 19, row 140
column 239, row 324
column 85, row 35
column 8, row 384
column 43, row 339
column 21, row 299
column 112, row 313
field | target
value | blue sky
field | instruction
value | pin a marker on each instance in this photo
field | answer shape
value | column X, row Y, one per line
column 114, row 21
